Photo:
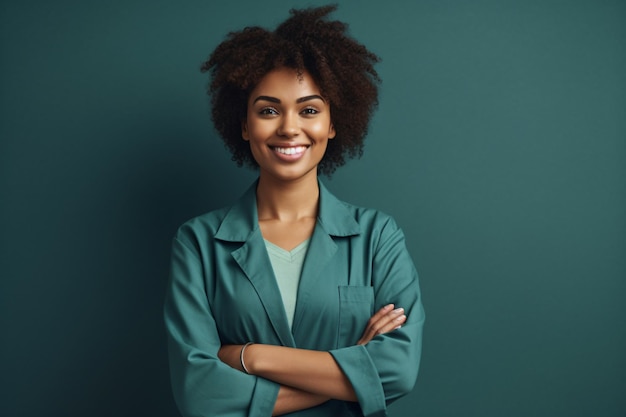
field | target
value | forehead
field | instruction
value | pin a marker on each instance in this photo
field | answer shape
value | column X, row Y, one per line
column 285, row 84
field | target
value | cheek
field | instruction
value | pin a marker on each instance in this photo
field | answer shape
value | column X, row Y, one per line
column 321, row 129
column 259, row 132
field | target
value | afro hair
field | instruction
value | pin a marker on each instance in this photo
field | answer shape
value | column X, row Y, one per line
column 342, row 68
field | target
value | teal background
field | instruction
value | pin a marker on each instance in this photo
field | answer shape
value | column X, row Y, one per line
column 499, row 147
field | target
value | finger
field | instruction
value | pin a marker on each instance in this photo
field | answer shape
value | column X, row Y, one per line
column 382, row 324
column 380, row 313
column 394, row 324
column 368, row 332
column 388, row 321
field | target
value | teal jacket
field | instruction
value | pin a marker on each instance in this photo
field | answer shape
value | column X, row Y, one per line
column 222, row 291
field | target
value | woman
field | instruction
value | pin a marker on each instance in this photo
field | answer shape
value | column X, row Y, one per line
column 270, row 308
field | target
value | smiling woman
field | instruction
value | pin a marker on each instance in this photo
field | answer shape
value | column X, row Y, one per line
column 288, row 125
column 291, row 301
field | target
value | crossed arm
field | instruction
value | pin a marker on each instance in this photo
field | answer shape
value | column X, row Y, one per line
column 307, row 377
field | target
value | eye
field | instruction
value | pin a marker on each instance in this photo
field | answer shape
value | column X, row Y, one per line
column 268, row 111
column 309, row 111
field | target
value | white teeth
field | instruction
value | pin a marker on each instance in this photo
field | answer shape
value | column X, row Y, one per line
column 291, row 150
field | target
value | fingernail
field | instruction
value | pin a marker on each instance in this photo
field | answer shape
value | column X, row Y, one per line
column 400, row 318
column 388, row 306
column 398, row 310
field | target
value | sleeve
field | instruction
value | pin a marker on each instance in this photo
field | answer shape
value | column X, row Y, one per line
column 386, row 368
column 201, row 383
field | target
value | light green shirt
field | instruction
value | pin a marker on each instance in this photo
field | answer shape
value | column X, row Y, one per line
column 287, row 266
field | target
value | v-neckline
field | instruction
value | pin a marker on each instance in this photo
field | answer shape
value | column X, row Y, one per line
column 287, row 254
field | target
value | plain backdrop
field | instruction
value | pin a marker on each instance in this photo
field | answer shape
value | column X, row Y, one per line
column 499, row 147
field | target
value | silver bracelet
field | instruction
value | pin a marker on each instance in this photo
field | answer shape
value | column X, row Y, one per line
column 243, row 364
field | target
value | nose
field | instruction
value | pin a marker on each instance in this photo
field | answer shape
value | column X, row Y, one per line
column 289, row 126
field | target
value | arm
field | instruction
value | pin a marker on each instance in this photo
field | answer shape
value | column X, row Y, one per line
column 202, row 384
column 292, row 399
column 386, row 368
column 311, row 372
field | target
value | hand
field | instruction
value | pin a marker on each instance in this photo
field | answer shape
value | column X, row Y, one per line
column 385, row 320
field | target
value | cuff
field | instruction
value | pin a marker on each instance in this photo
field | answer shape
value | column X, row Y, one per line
column 263, row 398
column 356, row 364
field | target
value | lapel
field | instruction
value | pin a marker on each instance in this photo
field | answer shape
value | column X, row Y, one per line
column 241, row 224
column 334, row 220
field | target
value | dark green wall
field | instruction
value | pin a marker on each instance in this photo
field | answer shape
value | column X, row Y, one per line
column 499, row 146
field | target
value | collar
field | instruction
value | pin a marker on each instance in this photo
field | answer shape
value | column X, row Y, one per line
column 241, row 220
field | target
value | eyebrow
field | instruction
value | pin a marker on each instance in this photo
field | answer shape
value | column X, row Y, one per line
column 300, row 100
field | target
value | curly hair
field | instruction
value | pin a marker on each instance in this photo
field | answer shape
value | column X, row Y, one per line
column 342, row 68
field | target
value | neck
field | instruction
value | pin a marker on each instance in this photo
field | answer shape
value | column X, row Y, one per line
column 287, row 200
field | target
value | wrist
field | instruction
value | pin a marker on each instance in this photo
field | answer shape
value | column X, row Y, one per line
column 244, row 360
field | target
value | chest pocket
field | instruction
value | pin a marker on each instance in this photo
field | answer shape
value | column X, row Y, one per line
column 356, row 306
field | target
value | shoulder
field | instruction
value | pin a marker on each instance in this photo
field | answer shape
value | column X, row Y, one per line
column 341, row 218
column 377, row 227
column 368, row 218
column 201, row 229
column 370, row 230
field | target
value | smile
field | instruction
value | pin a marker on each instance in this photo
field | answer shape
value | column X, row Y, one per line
column 292, row 150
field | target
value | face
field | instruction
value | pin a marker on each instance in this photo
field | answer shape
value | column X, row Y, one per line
column 288, row 125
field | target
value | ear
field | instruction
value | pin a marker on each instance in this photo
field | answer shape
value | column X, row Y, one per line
column 331, row 131
column 244, row 130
